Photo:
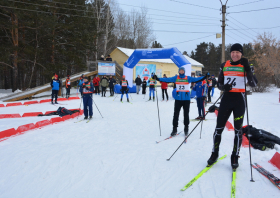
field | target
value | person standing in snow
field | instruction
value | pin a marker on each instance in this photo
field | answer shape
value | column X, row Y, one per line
column 231, row 82
column 164, row 87
column 138, row 82
column 152, row 83
column 87, row 89
column 182, row 98
column 209, row 83
column 68, row 86
column 124, row 84
column 55, row 84
column 214, row 83
column 95, row 82
column 104, row 84
column 112, row 83
column 200, row 89
column 144, row 85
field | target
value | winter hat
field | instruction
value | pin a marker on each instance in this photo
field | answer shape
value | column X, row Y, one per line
column 123, row 76
column 86, row 77
column 236, row 47
column 181, row 68
column 56, row 76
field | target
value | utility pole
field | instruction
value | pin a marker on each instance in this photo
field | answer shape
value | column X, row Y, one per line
column 223, row 30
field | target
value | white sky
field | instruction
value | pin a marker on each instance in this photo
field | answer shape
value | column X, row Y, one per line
column 180, row 17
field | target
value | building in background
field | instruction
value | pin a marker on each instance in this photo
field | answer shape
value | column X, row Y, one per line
column 159, row 66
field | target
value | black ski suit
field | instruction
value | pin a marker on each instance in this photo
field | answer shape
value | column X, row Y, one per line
column 232, row 102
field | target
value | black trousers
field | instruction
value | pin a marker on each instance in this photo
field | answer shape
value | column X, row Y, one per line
column 103, row 90
column 68, row 91
column 143, row 89
column 230, row 103
column 162, row 91
column 209, row 94
column 111, row 91
column 97, row 89
column 54, row 94
column 177, row 107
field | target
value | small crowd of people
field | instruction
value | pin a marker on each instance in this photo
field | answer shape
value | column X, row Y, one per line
column 108, row 58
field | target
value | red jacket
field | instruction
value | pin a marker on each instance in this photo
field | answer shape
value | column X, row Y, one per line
column 164, row 85
column 96, row 81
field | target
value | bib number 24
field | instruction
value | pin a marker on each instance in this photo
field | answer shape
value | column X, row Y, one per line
column 231, row 81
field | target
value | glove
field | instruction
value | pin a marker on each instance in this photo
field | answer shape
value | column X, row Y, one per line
column 227, row 87
column 245, row 63
column 155, row 77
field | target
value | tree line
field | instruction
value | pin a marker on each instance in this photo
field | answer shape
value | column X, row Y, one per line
column 42, row 37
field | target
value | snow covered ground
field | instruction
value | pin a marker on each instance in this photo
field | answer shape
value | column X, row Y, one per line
column 117, row 156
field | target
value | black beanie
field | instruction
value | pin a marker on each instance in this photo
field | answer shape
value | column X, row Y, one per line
column 236, row 47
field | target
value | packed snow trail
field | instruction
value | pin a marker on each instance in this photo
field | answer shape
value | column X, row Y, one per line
column 116, row 156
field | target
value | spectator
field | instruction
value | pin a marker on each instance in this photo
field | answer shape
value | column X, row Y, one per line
column 68, row 86
column 53, row 75
column 80, row 82
column 138, row 82
column 152, row 83
column 144, row 85
column 104, row 84
column 87, row 89
column 201, row 89
column 102, row 58
column 112, row 83
column 164, row 87
column 214, row 82
column 108, row 58
column 95, row 82
column 55, row 84
column 209, row 83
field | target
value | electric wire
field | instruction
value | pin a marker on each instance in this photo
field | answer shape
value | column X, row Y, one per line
column 245, row 3
column 190, row 40
column 194, row 5
column 254, row 10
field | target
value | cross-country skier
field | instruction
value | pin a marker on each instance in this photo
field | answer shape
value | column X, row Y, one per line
column 152, row 83
column 182, row 98
column 86, row 90
column 231, row 82
column 200, row 89
column 124, row 88
column 55, row 84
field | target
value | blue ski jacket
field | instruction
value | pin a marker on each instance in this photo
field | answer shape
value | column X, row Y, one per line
column 201, row 89
column 182, row 95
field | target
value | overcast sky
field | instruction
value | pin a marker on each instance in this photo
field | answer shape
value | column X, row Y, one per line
column 173, row 19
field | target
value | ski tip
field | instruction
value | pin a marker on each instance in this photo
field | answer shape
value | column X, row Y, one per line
column 167, row 159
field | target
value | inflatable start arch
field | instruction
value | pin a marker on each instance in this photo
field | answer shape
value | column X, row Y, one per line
column 159, row 53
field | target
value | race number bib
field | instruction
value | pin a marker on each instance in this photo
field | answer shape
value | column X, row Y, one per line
column 182, row 88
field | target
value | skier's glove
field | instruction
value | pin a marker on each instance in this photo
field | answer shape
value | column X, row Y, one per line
column 245, row 63
column 227, row 87
column 155, row 77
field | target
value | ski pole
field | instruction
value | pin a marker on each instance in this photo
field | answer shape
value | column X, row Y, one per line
column 80, row 107
column 116, row 97
column 158, row 114
column 201, row 128
column 96, row 106
column 249, row 134
column 192, row 130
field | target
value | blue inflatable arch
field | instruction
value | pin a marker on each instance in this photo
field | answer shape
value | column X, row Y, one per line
column 159, row 53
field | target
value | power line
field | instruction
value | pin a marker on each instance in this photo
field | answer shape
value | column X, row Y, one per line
column 256, row 28
column 91, row 11
column 194, row 5
column 184, row 32
column 242, row 34
column 190, row 40
column 235, row 38
column 246, row 3
column 186, row 24
column 242, row 24
column 255, row 10
column 139, row 7
column 241, row 28
column 185, row 21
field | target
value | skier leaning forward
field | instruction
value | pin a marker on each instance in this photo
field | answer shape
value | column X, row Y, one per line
column 231, row 81
column 182, row 98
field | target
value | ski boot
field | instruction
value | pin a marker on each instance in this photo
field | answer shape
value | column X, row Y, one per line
column 174, row 132
column 186, row 130
column 85, row 118
column 150, row 98
column 121, row 99
column 90, row 117
column 52, row 102
column 127, row 100
column 234, row 161
column 213, row 158
column 55, row 102
column 153, row 98
column 198, row 118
